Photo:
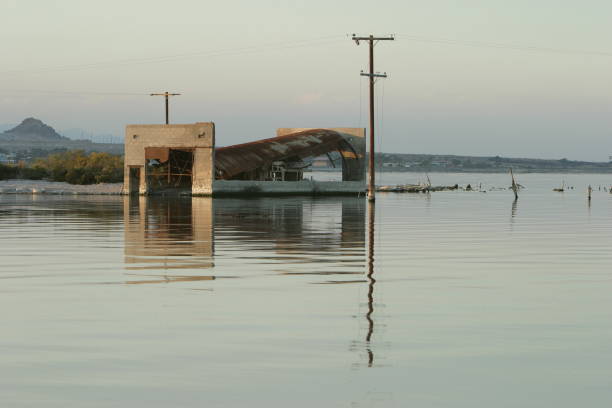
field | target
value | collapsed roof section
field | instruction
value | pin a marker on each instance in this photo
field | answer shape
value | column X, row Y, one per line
column 232, row 161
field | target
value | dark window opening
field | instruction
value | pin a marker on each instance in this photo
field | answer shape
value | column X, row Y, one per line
column 134, row 179
column 171, row 171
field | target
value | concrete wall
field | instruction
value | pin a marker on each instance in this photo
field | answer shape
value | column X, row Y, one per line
column 304, row 187
column 199, row 136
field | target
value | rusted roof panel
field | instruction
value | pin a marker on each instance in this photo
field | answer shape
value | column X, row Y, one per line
column 159, row 153
column 236, row 159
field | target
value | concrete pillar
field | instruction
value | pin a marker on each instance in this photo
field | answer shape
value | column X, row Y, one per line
column 203, row 171
column 126, row 181
column 143, row 188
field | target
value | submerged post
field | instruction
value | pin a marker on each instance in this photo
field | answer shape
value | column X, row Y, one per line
column 590, row 191
column 371, row 40
column 514, row 185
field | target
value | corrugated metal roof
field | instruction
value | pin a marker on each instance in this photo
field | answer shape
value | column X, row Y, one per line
column 236, row 159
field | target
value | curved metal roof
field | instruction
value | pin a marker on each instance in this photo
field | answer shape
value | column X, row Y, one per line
column 236, row 159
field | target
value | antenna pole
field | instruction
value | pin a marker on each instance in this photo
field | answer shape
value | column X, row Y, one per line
column 166, row 95
column 371, row 40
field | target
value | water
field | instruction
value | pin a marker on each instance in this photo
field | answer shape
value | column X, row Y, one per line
column 454, row 299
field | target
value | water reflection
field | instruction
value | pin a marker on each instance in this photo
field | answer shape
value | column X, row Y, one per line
column 165, row 234
column 513, row 213
column 175, row 240
column 371, row 282
column 168, row 234
column 366, row 345
column 296, row 228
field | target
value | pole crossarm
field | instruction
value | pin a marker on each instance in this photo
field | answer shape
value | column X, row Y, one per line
column 166, row 95
column 367, row 74
column 371, row 38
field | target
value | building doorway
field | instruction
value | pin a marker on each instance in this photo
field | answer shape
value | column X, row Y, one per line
column 169, row 170
column 134, row 183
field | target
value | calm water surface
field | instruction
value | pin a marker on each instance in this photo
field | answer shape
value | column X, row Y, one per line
column 454, row 299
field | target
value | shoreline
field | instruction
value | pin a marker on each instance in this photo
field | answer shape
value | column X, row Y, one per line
column 21, row 186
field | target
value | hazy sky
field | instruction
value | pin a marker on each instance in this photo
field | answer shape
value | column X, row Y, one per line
column 254, row 66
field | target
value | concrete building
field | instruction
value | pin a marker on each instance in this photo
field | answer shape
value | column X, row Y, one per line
column 166, row 159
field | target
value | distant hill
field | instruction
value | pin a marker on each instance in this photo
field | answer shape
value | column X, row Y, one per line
column 33, row 138
column 32, row 130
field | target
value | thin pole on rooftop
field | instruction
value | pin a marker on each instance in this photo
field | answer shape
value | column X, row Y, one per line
column 166, row 95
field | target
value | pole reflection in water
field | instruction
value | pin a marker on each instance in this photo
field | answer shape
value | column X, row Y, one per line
column 513, row 212
column 371, row 282
column 167, row 234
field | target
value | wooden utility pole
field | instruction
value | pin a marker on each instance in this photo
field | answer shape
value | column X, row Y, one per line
column 372, row 41
column 166, row 95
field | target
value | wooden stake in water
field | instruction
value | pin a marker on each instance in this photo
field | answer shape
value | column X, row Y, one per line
column 590, row 190
column 514, row 185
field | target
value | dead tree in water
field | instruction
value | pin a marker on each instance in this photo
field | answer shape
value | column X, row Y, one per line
column 514, row 185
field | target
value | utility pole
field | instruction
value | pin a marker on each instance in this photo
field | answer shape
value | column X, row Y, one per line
column 372, row 41
column 166, row 95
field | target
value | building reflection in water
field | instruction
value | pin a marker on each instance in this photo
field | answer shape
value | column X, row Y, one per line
column 325, row 235
column 173, row 240
column 295, row 230
column 167, row 235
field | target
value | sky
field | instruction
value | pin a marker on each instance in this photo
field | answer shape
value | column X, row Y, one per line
column 472, row 77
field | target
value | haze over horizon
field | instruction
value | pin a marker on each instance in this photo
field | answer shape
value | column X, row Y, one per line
column 457, row 83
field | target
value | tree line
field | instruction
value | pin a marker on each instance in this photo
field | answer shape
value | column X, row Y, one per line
column 74, row 167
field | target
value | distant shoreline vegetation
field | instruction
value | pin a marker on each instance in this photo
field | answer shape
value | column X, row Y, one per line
column 433, row 163
column 74, row 167
column 480, row 164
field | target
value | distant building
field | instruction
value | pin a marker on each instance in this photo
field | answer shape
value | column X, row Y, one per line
column 7, row 158
column 440, row 163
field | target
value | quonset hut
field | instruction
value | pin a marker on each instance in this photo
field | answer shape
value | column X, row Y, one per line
column 165, row 159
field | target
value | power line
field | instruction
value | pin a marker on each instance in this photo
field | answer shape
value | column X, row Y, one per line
column 505, row 46
column 197, row 54
column 75, row 93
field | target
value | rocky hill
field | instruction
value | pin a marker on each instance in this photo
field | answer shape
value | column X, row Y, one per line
column 33, row 138
column 32, row 130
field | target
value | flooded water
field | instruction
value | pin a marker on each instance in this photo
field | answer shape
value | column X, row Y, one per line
column 454, row 299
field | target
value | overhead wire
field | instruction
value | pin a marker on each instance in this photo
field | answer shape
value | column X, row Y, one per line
column 72, row 93
column 316, row 41
column 507, row 46
column 175, row 57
